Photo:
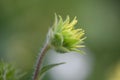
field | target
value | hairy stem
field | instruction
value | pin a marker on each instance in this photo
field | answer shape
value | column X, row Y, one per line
column 39, row 61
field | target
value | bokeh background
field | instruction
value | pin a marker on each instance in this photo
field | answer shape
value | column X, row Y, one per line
column 23, row 28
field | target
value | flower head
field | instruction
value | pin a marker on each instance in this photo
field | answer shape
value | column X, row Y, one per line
column 63, row 36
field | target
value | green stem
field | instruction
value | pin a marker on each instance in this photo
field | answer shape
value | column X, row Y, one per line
column 39, row 61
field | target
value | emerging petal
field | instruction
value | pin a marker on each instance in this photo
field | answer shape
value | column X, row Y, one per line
column 65, row 37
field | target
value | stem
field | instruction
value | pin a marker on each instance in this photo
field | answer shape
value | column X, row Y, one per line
column 39, row 61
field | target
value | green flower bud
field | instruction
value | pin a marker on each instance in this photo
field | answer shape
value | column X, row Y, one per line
column 63, row 37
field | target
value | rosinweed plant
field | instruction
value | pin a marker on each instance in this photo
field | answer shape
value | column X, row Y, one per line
column 62, row 37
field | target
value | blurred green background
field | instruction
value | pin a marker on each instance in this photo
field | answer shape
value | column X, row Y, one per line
column 24, row 24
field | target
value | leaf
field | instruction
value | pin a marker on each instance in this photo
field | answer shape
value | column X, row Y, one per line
column 48, row 67
column 9, row 72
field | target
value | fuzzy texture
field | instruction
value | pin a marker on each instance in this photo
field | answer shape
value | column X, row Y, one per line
column 63, row 37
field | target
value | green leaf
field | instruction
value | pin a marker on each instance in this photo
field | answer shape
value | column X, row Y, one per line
column 9, row 72
column 48, row 67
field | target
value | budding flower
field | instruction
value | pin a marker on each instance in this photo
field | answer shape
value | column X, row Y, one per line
column 63, row 37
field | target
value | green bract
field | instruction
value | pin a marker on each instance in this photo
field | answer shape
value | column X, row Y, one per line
column 63, row 37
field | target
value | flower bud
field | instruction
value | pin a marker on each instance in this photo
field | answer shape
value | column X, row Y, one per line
column 63, row 37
